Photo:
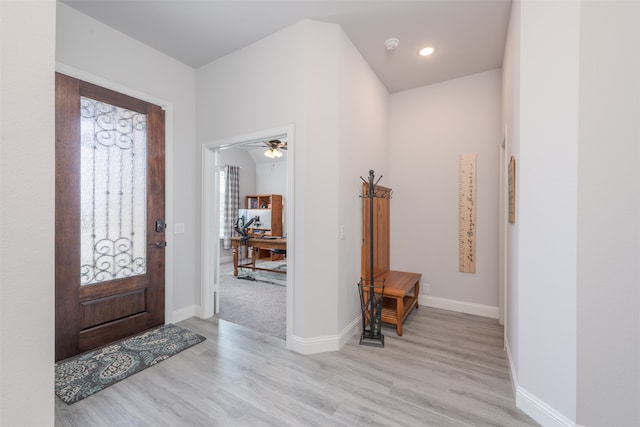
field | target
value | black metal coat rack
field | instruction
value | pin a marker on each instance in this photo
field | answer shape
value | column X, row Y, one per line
column 371, row 305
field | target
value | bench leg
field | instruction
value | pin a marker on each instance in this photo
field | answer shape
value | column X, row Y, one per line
column 399, row 315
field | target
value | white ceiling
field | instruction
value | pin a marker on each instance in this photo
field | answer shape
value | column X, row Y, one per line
column 468, row 35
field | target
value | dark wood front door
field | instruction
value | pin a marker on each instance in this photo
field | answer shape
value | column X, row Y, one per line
column 110, row 237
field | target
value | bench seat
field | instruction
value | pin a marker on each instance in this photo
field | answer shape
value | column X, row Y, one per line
column 401, row 292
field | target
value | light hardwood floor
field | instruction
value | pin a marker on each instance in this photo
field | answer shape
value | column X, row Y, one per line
column 448, row 369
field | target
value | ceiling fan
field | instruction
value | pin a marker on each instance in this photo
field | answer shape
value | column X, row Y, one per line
column 274, row 148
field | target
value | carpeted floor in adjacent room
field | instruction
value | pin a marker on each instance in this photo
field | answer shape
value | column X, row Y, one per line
column 257, row 305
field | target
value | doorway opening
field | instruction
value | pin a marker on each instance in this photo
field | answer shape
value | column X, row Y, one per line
column 217, row 263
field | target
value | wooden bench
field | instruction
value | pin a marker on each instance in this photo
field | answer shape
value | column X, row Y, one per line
column 401, row 292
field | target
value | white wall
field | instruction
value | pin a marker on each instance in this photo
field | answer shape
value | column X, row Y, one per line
column 363, row 145
column 547, row 207
column 543, row 135
column 271, row 177
column 321, row 65
column 430, row 127
column 608, row 332
column 258, row 88
column 27, row 132
column 511, row 120
column 295, row 77
column 94, row 48
column 575, row 340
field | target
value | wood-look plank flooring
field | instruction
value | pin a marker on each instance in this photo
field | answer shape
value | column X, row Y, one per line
column 448, row 369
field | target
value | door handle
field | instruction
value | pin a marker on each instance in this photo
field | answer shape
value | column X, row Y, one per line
column 160, row 244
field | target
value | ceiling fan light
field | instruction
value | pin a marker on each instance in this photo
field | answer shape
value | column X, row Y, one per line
column 273, row 153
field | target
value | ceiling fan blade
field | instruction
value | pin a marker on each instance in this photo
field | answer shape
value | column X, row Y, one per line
column 276, row 144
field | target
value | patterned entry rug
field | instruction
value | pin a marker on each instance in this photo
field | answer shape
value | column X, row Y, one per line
column 88, row 373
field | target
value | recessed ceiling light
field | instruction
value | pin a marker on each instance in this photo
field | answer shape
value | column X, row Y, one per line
column 426, row 51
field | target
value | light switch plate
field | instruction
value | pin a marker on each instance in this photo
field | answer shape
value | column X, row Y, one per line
column 179, row 228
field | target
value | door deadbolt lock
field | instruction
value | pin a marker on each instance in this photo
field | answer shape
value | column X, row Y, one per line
column 159, row 244
column 160, row 226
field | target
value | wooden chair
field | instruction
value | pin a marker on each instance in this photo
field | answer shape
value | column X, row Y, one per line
column 278, row 254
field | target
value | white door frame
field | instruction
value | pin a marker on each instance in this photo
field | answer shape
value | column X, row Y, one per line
column 503, row 231
column 210, row 262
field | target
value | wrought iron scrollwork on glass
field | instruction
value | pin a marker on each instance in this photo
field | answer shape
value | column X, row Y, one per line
column 113, row 192
column 113, row 260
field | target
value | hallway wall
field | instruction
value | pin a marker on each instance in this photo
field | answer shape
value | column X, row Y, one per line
column 430, row 127
column 27, row 179
column 92, row 47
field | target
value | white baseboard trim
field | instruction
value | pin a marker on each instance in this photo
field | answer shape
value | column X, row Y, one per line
column 345, row 335
column 459, row 306
column 184, row 313
column 532, row 405
column 314, row 345
column 540, row 411
column 323, row 344
column 512, row 369
column 226, row 258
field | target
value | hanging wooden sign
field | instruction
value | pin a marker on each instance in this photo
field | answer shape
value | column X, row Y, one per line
column 467, row 213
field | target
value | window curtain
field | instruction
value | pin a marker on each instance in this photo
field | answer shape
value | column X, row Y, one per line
column 231, row 202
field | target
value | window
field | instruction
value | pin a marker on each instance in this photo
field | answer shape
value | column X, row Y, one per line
column 223, row 185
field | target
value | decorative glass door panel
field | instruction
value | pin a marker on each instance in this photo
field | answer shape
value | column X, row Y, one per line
column 113, row 192
column 110, row 230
